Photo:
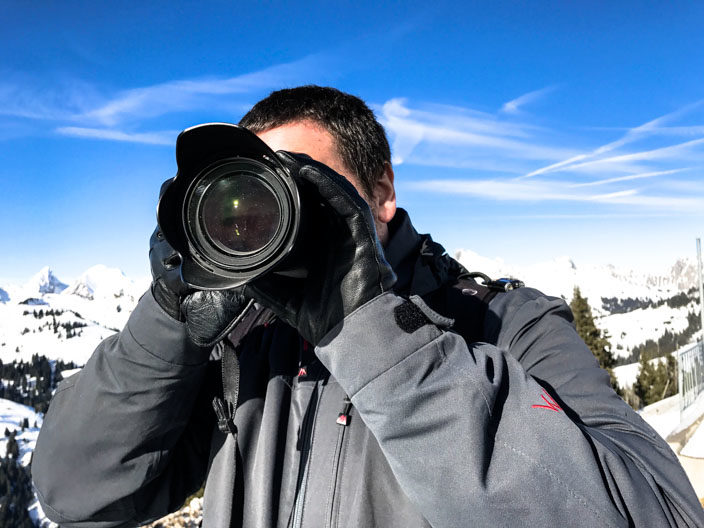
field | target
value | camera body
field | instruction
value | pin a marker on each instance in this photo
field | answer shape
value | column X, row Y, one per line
column 234, row 211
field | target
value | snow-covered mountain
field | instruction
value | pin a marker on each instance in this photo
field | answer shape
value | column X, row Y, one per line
column 559, row 276
column 42, row 283
column 45, row 316
column 101, row 282
column 631, row 306
column 45, row 282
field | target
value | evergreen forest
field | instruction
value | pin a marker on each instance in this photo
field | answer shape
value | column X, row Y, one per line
column 29, row 383
column 654, row 382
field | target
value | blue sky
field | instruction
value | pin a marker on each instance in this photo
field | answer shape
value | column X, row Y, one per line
column 521, row 130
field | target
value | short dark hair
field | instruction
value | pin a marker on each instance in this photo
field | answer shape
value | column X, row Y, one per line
column 360, row 139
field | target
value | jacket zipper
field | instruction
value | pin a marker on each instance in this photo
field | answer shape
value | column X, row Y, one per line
column 343, row 420
column 297, row 516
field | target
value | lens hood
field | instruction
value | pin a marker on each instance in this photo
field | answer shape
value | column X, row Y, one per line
column 233, row 211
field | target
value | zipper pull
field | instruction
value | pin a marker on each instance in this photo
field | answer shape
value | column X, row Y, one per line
column 343, row 418
column 226, row 416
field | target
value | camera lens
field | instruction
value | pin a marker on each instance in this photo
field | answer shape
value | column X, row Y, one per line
column 239, row 216
column 233, row 212
column 240, row 213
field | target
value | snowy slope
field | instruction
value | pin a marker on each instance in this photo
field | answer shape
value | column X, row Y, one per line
column 633, row 328
column 11, row 417
column 22, row 335
column 101, row 282
column 559, row 277
column 41, row 283
column 98, row 303
column 44, row 316
column 102, row 298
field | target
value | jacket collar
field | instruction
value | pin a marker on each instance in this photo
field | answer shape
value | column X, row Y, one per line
column 419, row 263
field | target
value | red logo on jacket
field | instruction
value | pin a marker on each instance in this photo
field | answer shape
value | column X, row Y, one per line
column 550, row 403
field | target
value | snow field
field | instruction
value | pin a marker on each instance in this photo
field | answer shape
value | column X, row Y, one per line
column 11, row 417
column 633, row 328
column 45, row 341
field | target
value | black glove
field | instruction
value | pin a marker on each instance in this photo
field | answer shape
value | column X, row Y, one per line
column 209, row 315
column 347, row 268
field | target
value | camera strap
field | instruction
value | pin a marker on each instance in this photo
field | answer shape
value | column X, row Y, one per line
column 226, row 407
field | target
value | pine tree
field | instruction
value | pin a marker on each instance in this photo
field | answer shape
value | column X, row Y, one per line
column 12, row 449
column 644, row 381
column 593, row 337
column 15, row 494
column 671, row 367
column 655, row 383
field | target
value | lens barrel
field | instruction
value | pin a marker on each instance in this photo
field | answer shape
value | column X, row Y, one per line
column 233, row 211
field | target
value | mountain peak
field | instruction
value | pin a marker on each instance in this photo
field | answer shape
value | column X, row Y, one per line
column 101, row 281
column 44, row 282
column 565, row 262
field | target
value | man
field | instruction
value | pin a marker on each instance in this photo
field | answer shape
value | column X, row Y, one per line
column 377, row 392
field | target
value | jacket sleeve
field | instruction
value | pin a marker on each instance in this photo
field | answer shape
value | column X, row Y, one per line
column 525, row 432
column 126, row 440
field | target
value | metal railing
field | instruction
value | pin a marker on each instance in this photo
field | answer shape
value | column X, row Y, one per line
column 690, row 373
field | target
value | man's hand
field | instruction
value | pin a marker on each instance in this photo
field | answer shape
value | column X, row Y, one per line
column 208, row 314
column 347, row 267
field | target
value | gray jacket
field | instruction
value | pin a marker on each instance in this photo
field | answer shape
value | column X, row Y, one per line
column 520, row 430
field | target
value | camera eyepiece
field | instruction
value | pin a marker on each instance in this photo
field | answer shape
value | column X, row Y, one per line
column 233, row 211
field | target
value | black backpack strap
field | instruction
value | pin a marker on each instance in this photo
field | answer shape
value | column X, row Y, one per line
column 460, row 296
column 470, row 300
column 466, row 301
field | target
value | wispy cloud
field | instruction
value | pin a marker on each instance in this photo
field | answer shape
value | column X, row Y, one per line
column 473, row 135
column 668, row 152
column 642, row 169
column 504, row 155
column 631, row 135
column 513, row 106
column 190, row 94
column 512, row 190
column 23, row 97
column 592, row 216
column 83, row 110
column 549, row 191
column 150, row 138
column 630, row 177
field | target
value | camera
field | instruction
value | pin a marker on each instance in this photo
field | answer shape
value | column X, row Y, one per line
column 233, row 211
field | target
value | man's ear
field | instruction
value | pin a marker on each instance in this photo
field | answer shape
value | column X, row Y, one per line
column 385, row 195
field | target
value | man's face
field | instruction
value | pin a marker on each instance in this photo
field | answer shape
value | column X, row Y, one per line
column 306, row 137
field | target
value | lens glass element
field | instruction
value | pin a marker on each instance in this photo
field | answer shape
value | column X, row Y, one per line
column 240, row 213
